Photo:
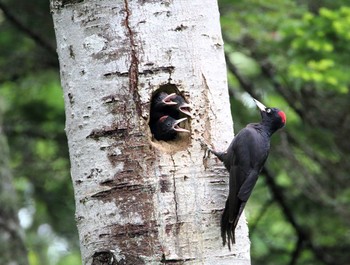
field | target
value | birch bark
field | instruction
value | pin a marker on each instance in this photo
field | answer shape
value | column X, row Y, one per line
column 140, row 201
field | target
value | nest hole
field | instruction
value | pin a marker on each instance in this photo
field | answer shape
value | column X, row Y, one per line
column 170, row 116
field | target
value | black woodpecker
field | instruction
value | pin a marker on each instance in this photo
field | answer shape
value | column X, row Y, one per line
column 167, row 128
column 244, row 159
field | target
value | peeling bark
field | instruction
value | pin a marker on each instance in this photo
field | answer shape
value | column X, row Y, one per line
column 138, row 200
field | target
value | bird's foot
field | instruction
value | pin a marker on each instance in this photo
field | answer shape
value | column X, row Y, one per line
column 204, row 145
column 208, row 149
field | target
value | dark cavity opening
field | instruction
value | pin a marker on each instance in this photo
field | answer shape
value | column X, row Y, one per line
column 170, row 115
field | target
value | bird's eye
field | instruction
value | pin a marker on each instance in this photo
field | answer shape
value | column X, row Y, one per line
column 268, row 111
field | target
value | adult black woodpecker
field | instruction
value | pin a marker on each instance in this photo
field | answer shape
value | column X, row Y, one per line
column 244, row 159
column 167, row 128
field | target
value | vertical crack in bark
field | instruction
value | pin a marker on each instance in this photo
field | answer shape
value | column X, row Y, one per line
column 207, row 125
column 208, row 89
column 174, row 190
column 134, row 62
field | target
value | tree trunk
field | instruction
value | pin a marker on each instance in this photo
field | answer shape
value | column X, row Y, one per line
column 139, row 200
column 12, row 247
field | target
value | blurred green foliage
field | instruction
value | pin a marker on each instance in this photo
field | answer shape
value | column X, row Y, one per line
column 34, row 124
column 295, row 55
column 290, row 54
column 33, row 121
column 316, row 41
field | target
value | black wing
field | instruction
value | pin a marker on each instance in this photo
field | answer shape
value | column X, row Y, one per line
column 245, row 157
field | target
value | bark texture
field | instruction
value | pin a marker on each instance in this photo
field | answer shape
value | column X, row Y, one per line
column 140, row 201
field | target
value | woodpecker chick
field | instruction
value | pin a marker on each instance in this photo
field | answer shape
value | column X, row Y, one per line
column 167, row 128
column 162, row 99
column 161, row 103
column 173, row 107
column 181, row 108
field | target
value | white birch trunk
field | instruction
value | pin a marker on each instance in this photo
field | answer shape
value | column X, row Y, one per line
column 139, row 201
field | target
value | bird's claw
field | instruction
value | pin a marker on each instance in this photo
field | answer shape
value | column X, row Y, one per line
column 206, row 147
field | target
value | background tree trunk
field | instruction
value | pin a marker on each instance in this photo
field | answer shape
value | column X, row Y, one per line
column 12, row 246
column 140, row 201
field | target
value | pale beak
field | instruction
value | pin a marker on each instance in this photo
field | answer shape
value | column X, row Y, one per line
column 178, row 128
column 185, row 109
column 260, row 105
column 168, row 98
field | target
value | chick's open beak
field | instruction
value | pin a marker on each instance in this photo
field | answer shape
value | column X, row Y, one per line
column 178, row 128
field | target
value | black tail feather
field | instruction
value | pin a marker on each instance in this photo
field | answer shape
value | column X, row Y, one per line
column 227, row 228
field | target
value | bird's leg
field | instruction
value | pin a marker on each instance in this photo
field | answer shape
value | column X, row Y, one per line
column 206, row 146
column 219, row 155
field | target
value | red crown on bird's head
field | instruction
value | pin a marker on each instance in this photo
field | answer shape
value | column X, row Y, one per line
column 283, row 116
